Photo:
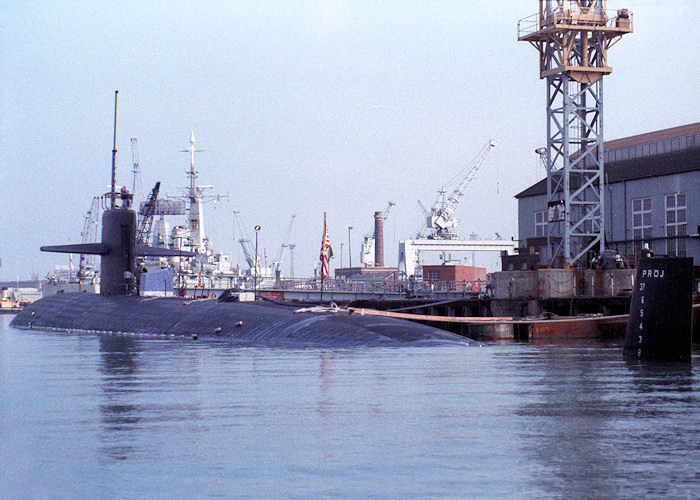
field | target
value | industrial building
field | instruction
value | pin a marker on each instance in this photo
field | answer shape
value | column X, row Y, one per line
column 651, row 195
column 463, row 278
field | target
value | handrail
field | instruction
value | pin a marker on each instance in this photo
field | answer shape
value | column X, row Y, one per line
column 532, row 24
column 400, row 286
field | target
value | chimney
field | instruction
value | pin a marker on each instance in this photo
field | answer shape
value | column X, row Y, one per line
column 378, row 239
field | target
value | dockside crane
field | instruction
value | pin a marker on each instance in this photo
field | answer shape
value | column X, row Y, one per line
column 136, row 188
column 87, row 267
column 285, row 244
column 572, row 38
column 440, row 220
column 147, row 212
column 291, row 246
column 246, row 245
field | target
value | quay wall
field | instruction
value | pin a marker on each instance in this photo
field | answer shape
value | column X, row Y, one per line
column 562, row 283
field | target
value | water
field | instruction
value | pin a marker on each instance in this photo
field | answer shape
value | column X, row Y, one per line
column 94, row 416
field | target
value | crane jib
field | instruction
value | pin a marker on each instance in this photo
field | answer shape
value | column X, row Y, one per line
column 440, row 218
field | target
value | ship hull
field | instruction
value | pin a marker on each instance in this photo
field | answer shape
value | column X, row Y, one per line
column 247, row 323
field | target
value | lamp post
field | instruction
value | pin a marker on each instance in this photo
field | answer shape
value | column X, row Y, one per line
column 341, row 255
column 179, row 266
column 349, row 251
column 255, row 276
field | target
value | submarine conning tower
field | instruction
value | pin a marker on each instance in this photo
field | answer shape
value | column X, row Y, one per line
column 118, row 248
column 118, row 264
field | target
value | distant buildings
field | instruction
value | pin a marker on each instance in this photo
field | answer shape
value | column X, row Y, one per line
column 63, row 273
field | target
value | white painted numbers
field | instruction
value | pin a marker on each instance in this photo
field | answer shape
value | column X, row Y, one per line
column 646, row 273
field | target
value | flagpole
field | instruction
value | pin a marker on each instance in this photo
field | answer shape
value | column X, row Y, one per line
column 323, row 243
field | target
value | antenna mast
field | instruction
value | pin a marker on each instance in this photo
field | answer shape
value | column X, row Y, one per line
column 114, row 152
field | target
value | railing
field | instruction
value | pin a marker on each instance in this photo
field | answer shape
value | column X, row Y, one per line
column 613, row 19
column 359, row 287
column 382, row 287
column 528, row 25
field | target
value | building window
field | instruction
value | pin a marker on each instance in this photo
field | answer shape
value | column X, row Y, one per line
column 434, row 275
column 541, row 223
column 641, row 218
column 676, row 224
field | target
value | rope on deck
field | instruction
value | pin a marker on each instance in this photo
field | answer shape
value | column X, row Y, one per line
column 476, row 320
column 430, row 304
column 332, row 308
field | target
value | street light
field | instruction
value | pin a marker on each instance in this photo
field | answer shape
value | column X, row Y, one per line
column 341, row 255
column 255, row 276
column 349, row 250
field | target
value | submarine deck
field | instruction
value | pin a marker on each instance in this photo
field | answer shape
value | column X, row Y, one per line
column 260, row 323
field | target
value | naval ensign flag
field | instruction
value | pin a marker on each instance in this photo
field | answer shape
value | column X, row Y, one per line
column 326, row 251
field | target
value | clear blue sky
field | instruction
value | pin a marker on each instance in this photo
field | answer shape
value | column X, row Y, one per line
column 302, row 107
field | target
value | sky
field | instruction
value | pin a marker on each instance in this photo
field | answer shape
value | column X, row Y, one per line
column 300, row 107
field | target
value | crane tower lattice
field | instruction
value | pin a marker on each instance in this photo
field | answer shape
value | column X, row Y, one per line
column 573, row 38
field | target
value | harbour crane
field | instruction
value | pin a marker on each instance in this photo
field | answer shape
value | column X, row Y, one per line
column 572, row 39
column 285, row 244
column 147, row 212
column 291, row 246
column 91, row 222
column 246, row 245
column 440, row 220
column 136, row 188
column 368, row 240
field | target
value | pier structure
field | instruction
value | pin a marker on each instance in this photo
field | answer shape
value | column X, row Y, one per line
column 573, row 38
column 409, row 250
column 547, row 303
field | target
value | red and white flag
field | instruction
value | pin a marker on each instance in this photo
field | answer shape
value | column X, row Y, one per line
column 326, row 251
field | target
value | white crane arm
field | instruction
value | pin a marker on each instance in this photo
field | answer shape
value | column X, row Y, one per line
column 249, row 258
column 286, row 240
column 388, row 209
column 385, row 216
column 443, row 218
column 246, row 245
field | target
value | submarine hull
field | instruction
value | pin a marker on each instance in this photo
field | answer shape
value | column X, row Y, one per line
column 249, row 323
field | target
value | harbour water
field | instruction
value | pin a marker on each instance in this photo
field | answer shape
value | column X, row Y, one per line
column 98, row 416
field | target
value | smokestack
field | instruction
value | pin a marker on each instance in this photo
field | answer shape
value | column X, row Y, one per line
column 378, row 239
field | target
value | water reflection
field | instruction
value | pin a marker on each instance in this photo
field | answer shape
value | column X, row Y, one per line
column 182, row 417
column 665, row 425
column 595, row 417
column 119, row 357
column 325, row 405
column 566, row 427
column 325, row 375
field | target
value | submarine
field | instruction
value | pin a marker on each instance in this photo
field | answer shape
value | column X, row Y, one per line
column 119, row 310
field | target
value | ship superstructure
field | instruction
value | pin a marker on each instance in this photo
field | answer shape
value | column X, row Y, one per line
column 191, row 237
